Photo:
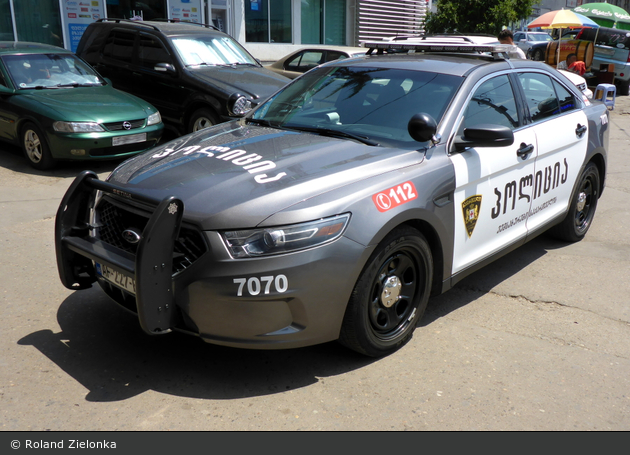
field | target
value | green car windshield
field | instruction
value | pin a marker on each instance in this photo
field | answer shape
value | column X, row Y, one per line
column 369, row 104
column 48, row 71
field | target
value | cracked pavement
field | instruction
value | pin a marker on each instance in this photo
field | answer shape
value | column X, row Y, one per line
column 538, row 340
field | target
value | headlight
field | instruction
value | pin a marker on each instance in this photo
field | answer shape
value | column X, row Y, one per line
column 284, row 239
column 154, row 119
column 77, row 127
column 239, row 105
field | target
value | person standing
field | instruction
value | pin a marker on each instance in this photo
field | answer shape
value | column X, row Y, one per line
column 507, row 37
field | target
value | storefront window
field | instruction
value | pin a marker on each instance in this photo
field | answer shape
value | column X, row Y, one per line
column 37, row 21
column 324, row 22
column 126, row 9
column 6, row 24
column 268, row 21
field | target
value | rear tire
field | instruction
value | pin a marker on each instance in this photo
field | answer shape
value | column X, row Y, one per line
column 582, row 209
column 36, row 148
column 390, row 296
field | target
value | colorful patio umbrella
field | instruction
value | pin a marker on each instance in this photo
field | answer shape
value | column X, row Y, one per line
column 605, row 14
column 562, row 18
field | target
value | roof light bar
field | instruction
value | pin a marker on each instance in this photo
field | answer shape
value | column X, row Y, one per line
column 437, row 47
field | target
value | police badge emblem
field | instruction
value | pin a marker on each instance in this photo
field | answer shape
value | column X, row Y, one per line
column 471, row 208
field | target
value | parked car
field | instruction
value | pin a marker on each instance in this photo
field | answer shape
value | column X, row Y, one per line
column 197, row 76
column 334, row 209
column 525, row 39
column 612, row 46
column 298, row 62
column 56, row 107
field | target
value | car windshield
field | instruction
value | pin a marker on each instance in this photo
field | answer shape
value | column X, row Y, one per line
column 541, row 37
column 30, row 71
column 209, row 50
column 372, row 104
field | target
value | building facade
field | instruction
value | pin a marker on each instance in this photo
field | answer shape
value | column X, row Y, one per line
column 269, row 29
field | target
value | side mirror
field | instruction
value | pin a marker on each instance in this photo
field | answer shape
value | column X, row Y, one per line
column 422, row 127
column 484, row 135
column 164, row 68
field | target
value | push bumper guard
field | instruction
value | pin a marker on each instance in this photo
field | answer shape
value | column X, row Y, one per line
column 152, row 267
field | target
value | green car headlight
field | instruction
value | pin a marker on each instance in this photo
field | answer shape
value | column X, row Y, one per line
column 284, row 239
column 154, row 119
column 77, row 127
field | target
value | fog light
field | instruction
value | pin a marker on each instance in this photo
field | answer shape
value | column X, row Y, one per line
column 77, row 152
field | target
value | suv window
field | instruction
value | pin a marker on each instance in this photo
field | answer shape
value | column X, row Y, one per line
column 151, row 52
column 545, row 96
column 119, row 45
column 493, row 102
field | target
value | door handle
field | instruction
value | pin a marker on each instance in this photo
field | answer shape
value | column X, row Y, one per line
column 580, row 130
column 524, row 150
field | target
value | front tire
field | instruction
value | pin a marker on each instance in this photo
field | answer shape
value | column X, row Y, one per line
column 582, row 209
column 538, row 55
column 200, row 119
column 36, row 148
column 390, row 296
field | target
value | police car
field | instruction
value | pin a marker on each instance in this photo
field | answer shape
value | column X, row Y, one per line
column 337, row 207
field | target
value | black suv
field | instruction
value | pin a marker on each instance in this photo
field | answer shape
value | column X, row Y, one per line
column 197, row 76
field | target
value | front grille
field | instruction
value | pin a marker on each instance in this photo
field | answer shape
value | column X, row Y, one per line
column 112, row 219
column 118, row 126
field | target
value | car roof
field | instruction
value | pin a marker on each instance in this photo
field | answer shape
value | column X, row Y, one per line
column 166, row 28
column 317, row 47
column 27, row 47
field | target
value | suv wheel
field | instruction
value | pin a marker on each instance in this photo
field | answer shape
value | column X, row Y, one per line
column 200, row 119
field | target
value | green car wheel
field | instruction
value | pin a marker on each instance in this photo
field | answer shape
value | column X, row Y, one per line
column 35, row 148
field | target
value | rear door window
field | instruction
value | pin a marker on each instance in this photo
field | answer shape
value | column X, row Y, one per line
column 119, row 45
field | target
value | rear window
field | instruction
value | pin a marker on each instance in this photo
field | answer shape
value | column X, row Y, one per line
column 612, row 37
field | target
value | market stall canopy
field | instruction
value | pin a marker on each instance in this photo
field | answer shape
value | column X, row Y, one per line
column 605, row 14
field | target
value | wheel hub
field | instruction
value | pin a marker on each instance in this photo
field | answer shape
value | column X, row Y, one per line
column 581, row 201
column 391, row 291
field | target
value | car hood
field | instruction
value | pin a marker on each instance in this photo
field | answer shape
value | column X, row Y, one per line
column 85, row 104
column 233, row 176
column 258, row 83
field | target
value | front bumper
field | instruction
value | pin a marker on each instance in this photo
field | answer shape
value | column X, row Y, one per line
column 283, row 301
column 99, row 146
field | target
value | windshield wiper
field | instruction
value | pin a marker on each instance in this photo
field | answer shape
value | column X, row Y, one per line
column 263, row 122
column 333, row 133
column 76, row 84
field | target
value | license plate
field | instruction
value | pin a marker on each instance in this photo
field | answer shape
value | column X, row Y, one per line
column 116, row 278
column 130, row 139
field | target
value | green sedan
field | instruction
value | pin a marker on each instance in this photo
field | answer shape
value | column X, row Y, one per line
column 56, row 107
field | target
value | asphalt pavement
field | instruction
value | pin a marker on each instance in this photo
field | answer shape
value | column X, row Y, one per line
column 539, row 340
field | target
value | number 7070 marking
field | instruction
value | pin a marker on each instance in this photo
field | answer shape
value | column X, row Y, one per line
column 264, row 284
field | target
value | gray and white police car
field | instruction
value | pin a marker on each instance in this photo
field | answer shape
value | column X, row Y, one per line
column 337, row 207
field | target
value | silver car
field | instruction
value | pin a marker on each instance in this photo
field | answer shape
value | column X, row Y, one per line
column 337, row 207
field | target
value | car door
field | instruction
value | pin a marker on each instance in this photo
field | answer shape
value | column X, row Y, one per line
column 116, row 60
column 561, row 129
column 163, row 89
column 8, row 114
column 490, row 205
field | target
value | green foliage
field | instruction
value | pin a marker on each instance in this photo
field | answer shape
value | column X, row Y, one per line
column 477, row 16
